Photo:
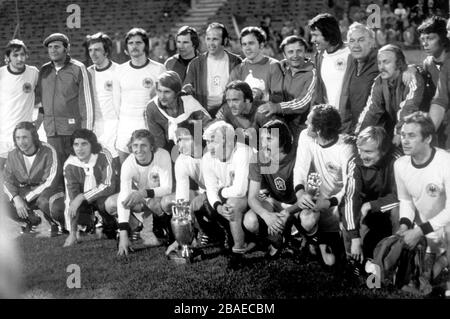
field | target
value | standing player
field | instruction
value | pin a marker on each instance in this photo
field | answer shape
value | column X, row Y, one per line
column 187, row 45
column 17, row 84
column 209, row 73
column 261, row 72
column 133, row 87
column 64, row 87
column 106, row 117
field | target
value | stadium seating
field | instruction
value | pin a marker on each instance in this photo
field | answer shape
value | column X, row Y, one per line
column 38, row 19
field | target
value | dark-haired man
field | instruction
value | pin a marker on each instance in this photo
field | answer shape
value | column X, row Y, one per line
column 423, row 186
column 90, row 177
column 262, row 73
column 187, row 44
column 17, row 83
column 331, row 59
column 32, row 180
column 320, row 146
column 208, row 74
column 106, row 117
column 133, row 87
column 299, row 84
column 273, row 173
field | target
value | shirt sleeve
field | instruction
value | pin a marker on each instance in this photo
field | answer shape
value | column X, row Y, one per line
column 407, row 208
column 352, row 200
column 50, row 176
column 374, row 108
column 85, row 99
column 412, row 100
column 74, row 186
column 165, row 175
column 302, row 161
column 276, row 82
column 442, row 90
column 240, row 165
column 302, row 102
column 182, row 178
column 211, row 183
column 10, row 184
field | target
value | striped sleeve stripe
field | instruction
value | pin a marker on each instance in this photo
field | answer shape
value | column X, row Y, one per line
column 7, row 192
column 388, row 207
column 87, row 95
column 409, row 96
column 348, row 198
column 364, row 112
column 299, row 104
column 108, row 178
column 51, row 177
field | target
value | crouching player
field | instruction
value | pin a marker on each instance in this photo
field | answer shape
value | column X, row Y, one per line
column 267, row 217
column 146, row 177
column 225, row 169
column 370, row 208
column 321, row 147
column 423, row 186
column 89, row 178
column 33, row 180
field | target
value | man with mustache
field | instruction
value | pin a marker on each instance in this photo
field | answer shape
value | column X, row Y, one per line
column 208, row 74
column 134, row 86
column 370, row 201
column 17, row 83
column 390, row 99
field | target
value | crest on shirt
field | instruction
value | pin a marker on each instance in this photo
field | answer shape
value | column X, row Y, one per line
column 339, row 64
column 333, row 169
column 280, row 184
column 432, row 190
column 147, row 83
column 154, row 179
column 27, row 88
column 108, row 85
column 231, row 177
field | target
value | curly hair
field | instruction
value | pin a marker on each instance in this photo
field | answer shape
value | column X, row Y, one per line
column 326, row 120
column 87, row 135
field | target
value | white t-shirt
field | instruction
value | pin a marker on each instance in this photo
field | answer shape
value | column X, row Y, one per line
column 187, row 167
column 157, row 176
column 425, row 189
column 29, row 161
column 16, row 101
column 217, row 79
column 332, row 72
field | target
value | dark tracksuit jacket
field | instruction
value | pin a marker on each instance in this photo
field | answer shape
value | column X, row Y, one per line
column 375, row 184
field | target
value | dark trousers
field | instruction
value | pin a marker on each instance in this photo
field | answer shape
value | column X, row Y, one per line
column 50, row 202
column 62, row 145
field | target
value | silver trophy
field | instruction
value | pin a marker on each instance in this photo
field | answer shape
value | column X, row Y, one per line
column 313, row 185
column 183, row 230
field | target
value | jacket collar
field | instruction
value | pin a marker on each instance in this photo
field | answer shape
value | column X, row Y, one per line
column 307, row 67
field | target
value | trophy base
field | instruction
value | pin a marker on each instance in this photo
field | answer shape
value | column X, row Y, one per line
column 195, row 255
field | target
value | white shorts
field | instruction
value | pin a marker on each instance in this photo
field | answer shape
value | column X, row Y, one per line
column 125, row 128
column 106, row 131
